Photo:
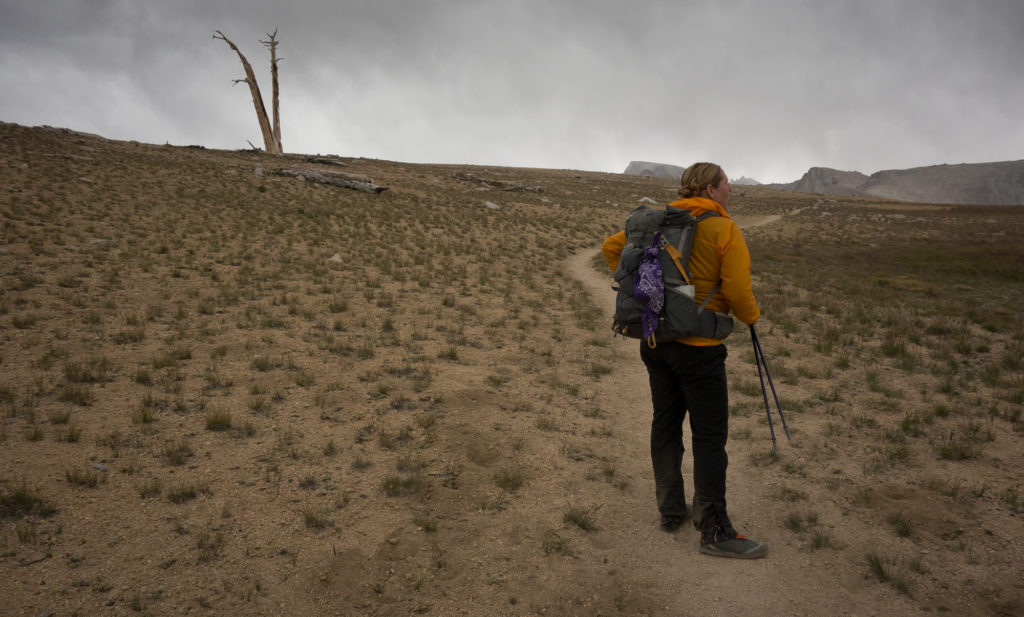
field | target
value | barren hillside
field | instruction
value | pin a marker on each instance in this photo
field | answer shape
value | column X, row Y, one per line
column 229, row 391
column 999, row 183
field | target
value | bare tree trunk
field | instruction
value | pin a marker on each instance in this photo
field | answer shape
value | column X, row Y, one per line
column 272, row 145
column 272, row 44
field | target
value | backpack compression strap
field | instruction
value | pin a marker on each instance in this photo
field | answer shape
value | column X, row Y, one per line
column 674, row 253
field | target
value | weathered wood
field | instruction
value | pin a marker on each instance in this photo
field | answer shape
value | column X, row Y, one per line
column 501, row 185
column 272, row 45
column 336, row 179
column 272, row 142
column 323, row 160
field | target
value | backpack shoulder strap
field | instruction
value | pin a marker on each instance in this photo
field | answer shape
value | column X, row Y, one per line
column 681, row 254
column 718, row 285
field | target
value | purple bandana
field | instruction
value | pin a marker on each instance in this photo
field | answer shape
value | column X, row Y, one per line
column 648, row 287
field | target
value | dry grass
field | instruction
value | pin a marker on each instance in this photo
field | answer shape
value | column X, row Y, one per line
column 273, row 418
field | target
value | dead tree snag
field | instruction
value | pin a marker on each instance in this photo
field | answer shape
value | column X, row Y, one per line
column 271, row 134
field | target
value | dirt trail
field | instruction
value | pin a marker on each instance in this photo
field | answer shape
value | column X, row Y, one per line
column 789, row 581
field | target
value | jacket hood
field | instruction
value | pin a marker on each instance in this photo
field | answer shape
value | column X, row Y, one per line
column 700, row 205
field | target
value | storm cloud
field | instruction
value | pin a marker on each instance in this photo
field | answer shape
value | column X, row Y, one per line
column 765, row 89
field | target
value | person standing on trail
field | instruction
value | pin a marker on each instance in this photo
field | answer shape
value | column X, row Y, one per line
column 689, row 374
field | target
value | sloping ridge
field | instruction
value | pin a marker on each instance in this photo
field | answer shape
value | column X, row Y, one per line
column 826, row 180
column 997, row 184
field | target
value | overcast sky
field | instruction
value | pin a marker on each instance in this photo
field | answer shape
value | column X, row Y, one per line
column 767, row 89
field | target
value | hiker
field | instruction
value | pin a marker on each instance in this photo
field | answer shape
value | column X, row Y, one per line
column 688, row 374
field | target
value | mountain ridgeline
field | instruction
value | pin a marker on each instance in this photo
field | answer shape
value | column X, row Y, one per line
column 996, row 184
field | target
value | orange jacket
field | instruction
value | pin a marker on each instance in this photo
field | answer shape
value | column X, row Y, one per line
column 719, row 253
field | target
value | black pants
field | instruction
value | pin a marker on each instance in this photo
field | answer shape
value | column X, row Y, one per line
column 688, row 378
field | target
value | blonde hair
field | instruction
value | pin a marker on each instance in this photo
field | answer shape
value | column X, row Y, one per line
column 698, row 176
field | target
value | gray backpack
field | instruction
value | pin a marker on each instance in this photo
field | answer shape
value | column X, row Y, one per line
column 666, row 237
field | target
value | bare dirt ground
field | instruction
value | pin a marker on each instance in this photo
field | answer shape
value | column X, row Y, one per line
column 226, row 391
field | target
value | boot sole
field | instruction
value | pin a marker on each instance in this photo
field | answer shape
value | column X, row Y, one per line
column 755, row 553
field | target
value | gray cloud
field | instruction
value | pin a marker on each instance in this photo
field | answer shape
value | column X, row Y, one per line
column 766, row 89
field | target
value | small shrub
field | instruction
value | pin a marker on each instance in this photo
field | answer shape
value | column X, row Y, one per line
column 580, row 517
column 60, row 417
column 176, row 454
column 88, row 479
column 21, row 502
column 82, row 396
column 143, row 377
column 150, row 488
column 884, row 575
column 187, row 492
column 395, row 486
column 901, row 525
column 218, row 421
column 555, row 544
column 210, row 545
column 820, row 540
column 315, row 518
column 71, row 434
column 508, row 480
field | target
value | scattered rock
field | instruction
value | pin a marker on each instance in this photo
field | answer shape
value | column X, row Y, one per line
column 336, row 259
column 490, row 205
column 258, row 171
column 647, row 200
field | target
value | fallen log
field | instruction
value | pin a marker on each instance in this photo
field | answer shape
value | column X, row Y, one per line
column 501, row 185
column 324, row 160
column 351, row 181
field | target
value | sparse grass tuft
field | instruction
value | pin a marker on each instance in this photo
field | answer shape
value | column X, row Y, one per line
column 21, row 501
column 582, row 518
column 177, row 453
column 883, row 574
column 88, row 479
column 509, row 480
column 187, row 492
column 901, row 525
column 218, row 421
column 397, row 486
column 210, row 545
column 315, row 518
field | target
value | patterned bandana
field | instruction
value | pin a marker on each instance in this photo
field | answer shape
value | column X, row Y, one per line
column 648, row 287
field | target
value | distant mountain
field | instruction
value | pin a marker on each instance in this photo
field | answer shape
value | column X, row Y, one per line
column 745, row 181
column 997, row 184
column 663, row 170
column 825, row 180
column 658, row 170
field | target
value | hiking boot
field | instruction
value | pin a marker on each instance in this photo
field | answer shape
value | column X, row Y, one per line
column 672, row 522
column 731, row 544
